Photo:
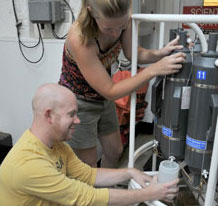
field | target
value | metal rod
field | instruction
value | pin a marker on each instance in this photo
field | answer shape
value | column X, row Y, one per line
column 161, row 35
column 211, row 186
column 133, row 95
column 185, row 18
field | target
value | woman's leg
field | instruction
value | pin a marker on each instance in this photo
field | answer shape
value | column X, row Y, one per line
column 83, row 141
column 88, row 155
column 112, row 149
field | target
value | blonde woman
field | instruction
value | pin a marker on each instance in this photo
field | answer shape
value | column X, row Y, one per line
column 94, row 41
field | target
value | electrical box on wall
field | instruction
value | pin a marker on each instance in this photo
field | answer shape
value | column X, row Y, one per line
column 45, row 11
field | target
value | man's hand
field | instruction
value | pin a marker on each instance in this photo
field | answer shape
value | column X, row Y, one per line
column 140, row 177
column 163, row 191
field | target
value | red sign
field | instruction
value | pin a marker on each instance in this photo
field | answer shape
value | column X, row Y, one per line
column 198, row 10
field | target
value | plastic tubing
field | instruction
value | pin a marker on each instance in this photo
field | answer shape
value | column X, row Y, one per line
column 144, row 148
column 200, row 34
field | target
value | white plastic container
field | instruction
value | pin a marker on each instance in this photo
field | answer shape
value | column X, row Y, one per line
column 168, row 170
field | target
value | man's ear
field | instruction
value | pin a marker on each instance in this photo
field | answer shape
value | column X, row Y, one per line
column 48, row 116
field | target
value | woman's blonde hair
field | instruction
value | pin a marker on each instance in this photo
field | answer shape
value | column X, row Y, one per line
column 108, row 8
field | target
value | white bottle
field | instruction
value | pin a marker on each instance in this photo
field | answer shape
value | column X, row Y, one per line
column 168, row 170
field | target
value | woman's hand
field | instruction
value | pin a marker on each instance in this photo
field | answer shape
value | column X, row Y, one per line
column 173, row 45
column 167, row 65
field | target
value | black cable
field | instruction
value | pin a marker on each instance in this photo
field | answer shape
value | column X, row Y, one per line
column 53, row 25
column 43, row 49
column 55, row 34
column 71, row 11
column 29, row 47
column 18, row 24
column 15, row 13
column 20, row 43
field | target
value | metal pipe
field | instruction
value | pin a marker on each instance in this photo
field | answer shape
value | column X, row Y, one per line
column 211, row 186
column 154, row 162
column 133, row 95
column 161, row 34
column 185, row 18
column 161, row 44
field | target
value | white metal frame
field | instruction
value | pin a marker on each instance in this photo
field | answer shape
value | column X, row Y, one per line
column 162, row 18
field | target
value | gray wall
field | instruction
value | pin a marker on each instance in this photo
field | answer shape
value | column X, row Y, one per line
column 19, row 78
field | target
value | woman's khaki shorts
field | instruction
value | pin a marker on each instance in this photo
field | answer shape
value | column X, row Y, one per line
column 96, row 119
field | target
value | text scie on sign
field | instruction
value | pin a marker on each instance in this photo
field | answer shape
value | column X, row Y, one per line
column 205, row 10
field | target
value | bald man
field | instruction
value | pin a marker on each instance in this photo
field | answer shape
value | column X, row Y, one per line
column 42, row 170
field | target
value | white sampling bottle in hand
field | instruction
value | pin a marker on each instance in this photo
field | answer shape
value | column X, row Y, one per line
column 168, row 170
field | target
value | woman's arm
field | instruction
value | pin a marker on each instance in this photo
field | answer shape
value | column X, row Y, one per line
column 146, row 56
column 98, row 78
column 151, row 56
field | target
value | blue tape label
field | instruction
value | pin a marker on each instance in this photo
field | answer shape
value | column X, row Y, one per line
column 167, row 131
column 197, row 144
column 202, row 75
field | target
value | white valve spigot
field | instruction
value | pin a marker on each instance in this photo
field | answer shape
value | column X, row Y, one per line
column 172, row 158
column 205, row 173
column 189, row 40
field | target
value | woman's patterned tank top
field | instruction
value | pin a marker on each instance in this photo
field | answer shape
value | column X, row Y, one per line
column 72, row 78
